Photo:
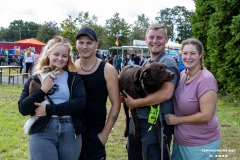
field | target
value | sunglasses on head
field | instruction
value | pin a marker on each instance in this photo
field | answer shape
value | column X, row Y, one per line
column 61, row 39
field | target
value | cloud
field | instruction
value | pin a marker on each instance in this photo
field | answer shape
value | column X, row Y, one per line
column 58, row 10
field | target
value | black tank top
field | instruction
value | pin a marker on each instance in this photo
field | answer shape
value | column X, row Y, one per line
column 96, row 97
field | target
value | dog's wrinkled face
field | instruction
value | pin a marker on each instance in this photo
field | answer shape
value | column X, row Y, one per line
column 154, row 75
column 50, row 70
column 46, row 71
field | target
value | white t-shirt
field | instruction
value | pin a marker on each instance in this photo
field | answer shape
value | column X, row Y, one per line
column 30, row 58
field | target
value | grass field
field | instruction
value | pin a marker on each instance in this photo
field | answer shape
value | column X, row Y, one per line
column 14, row 144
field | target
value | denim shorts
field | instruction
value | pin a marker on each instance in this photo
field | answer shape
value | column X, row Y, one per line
column 57, row 142
column 204, row 152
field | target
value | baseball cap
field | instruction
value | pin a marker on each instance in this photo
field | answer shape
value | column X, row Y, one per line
column 87, row 31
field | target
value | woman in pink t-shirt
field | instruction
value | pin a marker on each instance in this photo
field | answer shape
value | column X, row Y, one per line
column 196, row 131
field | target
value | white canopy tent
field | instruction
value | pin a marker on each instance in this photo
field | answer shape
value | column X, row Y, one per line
column 122, row 48
column 141, row 45
column 170, row 44
column 173, row 45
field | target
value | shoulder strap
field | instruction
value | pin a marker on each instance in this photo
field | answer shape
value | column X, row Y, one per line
column 50, row 100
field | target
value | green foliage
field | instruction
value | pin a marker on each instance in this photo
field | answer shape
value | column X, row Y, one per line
column 47, row 31
column 177, row 18
column 200, row 24
column 18, row 29
column 216, row 24
column 139, row 28
column 112, row 26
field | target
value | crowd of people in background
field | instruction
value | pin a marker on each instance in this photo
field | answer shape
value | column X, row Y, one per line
column 119, row 62
column 25, row 58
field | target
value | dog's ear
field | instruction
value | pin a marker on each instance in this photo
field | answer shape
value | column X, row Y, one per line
column 34, row 86
column 136, row 76
column 45, row 69
column 52, row 67
column 144, row 72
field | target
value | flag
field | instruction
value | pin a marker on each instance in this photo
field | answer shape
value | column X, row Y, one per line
column 117, row 42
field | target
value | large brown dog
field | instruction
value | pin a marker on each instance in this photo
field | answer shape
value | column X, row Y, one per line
column 139, row 81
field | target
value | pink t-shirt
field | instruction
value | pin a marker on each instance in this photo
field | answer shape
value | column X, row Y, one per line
column 186, row 102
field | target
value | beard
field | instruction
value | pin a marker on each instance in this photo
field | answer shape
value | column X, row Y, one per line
column 156, row 53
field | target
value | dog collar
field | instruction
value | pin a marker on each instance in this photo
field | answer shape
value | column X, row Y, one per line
column 143, row 86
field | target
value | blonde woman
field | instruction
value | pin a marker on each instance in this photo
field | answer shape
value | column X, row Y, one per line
column 28, row 59
column 56, row 134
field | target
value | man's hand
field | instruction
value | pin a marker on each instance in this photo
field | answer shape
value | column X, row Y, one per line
column 129, row 101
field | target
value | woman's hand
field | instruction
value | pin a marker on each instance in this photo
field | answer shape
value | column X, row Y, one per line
column 171, row 119
column 47, row 84
column 41, row 110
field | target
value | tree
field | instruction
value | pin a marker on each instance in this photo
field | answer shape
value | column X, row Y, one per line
column 182, row 18
column 18, row 29
column 217, row 25
column 177, row 21
column 3, row 33
column 47, row 31
column 139, row 28
column 112, row 26
column 200, row 24
column 165, row 16
column 70, row 27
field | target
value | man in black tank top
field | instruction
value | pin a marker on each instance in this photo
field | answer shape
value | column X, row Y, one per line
column 100, row 80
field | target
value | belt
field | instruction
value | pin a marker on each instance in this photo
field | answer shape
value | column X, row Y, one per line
column 55, row 116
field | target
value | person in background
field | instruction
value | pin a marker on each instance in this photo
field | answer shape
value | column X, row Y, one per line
column 114, row 61
column 21, row 62
column 142, row 60
column 6, row 56
column 196, row 128
column 148, row 147
column 110, row 60
column 2, row 51
column 56, row 134
column 17, row 51
column 29, row 60
column 101, row 81
column 35, row 57
column 118, row 64
column 136, row 59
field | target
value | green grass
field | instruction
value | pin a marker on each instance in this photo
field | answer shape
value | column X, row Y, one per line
column 5, row 72
column 14, row 144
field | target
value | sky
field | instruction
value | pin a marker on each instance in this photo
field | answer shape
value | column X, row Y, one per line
column 58, row 10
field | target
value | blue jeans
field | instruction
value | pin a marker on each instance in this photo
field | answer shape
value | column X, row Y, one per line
column 148, row 147
column 57, row 142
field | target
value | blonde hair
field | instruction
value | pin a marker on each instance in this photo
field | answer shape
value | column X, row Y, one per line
column 43, row 60
column 29, row 50
column 156, row 26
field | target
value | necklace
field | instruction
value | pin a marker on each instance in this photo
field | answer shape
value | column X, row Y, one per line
column 89, row 69
column 188, row 76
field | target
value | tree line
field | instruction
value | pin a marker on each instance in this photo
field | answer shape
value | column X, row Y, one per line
column 176, row 19
column 216, row 24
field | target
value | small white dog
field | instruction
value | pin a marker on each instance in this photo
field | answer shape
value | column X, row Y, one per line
column 51, row 71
